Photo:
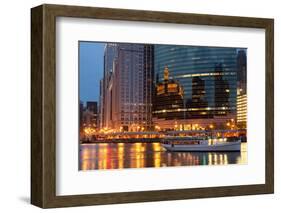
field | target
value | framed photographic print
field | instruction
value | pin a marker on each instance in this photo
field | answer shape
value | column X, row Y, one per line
column 137, row 106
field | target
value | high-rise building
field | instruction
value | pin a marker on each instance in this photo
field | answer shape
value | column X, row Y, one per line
column 101, row 105
column 128, row 87
column 242, row 71
column 195, row 68
column 242, row 89
column 91, row 114
column 92, row 106
column 197, row 101
column 222, row 90
column 81, row 109
column 168, row 102
column 242, row 111
column 110, row 55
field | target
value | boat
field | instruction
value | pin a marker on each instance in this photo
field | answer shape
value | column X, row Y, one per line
column 203, row 144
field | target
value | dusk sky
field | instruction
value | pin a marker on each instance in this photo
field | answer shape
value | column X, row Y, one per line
column 90, row 70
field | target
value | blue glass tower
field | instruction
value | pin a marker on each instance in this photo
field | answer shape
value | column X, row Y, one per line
column 208, row 76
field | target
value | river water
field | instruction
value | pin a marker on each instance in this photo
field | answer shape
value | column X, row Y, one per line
column 143, row 155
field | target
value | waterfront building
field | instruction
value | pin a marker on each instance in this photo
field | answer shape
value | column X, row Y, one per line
column 92, row 106
column 168, row 102
column 81, row 109
column 88, row 119
column 101, row 105
column 242, row 89
column 222, row 90
column 197, row 101
column 90, row 114
column 208, row 76
column 242, row 111
column 242, row 71
column 110, row 55
column 127, row 86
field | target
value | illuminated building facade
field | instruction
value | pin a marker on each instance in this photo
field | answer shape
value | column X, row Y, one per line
column 222, row 90
column 242, row 111
column 81, row 109
column 101, row 105
column 88, row 118
column 168, row 103
column 242, row 71
column 110, row 54
column 127, row 92
column 92, row 108
column 90, row 115
column 242, row 89
column 208, row 76
column 197, row 100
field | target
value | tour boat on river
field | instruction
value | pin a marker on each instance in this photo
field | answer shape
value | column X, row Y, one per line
column 201, row 144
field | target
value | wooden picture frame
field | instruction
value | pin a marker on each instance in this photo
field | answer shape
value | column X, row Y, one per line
column 43, row 105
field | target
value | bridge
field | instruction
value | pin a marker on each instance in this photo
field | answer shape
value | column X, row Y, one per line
column 151, row 136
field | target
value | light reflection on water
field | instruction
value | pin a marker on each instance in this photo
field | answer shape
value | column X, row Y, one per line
column 142, row 155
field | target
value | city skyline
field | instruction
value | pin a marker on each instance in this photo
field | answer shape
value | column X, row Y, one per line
column 217, row 72
column 91, row 55
column 140, row 102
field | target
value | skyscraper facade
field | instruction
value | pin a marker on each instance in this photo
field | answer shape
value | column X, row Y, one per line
column 168, row 102
column 242, row 89
column 127, row 87
column 242, row 71
column 197, row 100
column 110, row 55
column 208, row 76
column 101, row 105
column 92, row 107
column 242, row 111
column 81, row 109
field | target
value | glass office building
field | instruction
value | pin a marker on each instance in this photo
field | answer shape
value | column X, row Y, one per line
column 208, row 76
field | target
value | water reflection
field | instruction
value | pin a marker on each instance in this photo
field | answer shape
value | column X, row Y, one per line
column 141, row 155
